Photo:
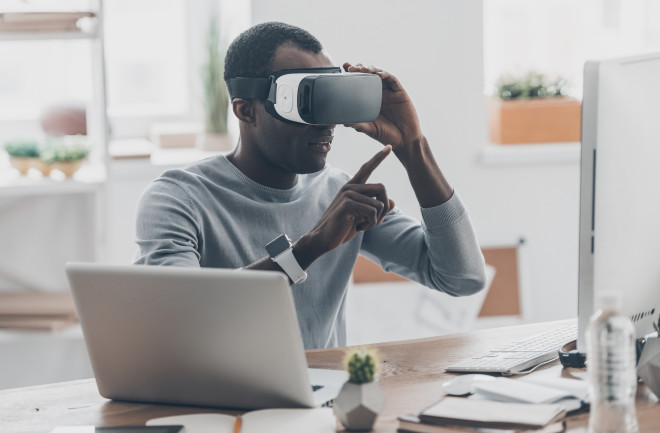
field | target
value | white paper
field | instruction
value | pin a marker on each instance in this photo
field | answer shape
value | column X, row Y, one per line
column 510, row 390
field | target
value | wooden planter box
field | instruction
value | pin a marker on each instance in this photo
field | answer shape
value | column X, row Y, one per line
column 540, row 120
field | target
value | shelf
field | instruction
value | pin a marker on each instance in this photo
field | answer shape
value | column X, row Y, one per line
column 87, row 180
column 530, row 154
column 45, row 36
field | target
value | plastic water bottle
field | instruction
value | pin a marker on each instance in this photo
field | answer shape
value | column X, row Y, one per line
column 611, row 368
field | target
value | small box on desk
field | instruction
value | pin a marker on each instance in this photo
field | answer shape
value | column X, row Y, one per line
column 175, row 135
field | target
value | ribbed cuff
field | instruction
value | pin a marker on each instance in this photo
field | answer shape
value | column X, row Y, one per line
column 445, row 214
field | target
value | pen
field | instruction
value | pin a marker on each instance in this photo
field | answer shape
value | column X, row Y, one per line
column 237, row 426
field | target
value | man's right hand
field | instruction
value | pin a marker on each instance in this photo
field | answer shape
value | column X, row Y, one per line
column 357, row 207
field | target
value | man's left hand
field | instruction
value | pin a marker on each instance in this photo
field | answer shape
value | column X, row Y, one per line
column 397, row 124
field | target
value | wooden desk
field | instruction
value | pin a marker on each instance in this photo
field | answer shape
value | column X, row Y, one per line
column 411, row 375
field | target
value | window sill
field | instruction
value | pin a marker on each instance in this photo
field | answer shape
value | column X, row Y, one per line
column 530, row 154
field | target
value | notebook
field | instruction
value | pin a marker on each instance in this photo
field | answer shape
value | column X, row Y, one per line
column 320, row 420
column 412, row 424
column 491, row 414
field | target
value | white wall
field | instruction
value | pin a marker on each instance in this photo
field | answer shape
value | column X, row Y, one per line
column 39, row 234
column 435, row 48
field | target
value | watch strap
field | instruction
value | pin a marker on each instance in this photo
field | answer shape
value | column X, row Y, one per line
column 289, row 264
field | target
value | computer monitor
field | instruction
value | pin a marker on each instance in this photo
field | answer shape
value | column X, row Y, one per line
column 620, row 189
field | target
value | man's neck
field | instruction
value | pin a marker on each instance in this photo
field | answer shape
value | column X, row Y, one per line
column 261, row 171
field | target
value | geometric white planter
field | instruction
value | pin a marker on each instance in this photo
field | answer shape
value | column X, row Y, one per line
column 648, row 367
column 358, row 404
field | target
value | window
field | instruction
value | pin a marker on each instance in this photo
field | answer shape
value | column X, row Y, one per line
column 558, row 36
column 146, row 57
column 34, row 74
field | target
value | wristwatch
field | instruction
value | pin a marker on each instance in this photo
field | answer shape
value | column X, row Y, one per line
column 280, row 250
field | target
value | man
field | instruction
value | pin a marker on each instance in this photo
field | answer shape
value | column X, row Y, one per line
column 224, row 210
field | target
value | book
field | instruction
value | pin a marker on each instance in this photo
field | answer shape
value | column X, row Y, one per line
column 317, row 420
column 22, row 303
column 412, row 424
column 37, row 323
column 491, row 414
column 37, row 311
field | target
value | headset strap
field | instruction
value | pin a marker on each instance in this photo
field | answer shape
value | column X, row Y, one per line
column 262, row 88
column 249, row 88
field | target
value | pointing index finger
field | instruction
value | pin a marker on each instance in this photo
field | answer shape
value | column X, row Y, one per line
column 368, row 167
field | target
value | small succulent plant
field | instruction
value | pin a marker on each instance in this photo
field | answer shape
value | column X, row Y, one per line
column 22, row 148
column 531, row 85
column 66, row 148
column 362, row 365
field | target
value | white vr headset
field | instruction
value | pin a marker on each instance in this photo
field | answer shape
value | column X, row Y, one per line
column 314, row 96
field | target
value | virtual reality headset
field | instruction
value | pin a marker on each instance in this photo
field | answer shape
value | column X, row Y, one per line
column 314, row 96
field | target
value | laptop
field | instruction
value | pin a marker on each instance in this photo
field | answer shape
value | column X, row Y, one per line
column 202, row 337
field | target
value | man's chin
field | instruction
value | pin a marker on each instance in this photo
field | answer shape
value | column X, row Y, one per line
column 312, row 166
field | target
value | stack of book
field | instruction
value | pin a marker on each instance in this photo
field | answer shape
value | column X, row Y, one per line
column 37, row 311
column 461, row 415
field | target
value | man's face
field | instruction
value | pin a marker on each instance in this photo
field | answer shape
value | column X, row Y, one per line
column 295, row 148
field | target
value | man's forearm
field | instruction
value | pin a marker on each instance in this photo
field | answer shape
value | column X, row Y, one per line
column 428, row 182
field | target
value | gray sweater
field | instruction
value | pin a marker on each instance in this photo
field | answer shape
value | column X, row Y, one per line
column 210, row 214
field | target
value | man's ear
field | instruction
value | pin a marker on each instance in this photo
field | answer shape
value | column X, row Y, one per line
column 244, row 109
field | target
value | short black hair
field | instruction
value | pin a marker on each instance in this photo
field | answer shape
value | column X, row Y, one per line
column 251, row 53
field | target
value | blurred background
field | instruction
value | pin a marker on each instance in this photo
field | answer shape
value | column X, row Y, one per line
column 97, row 99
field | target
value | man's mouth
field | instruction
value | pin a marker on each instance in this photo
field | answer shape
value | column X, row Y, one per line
column 322, row 144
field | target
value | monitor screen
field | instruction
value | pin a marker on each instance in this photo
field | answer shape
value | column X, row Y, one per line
column 620, row 189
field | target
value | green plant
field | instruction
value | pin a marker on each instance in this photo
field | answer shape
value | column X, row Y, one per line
column 67, row 148
column 531, row 85
column 361, row 364
column 216, row 99
column 22, row 148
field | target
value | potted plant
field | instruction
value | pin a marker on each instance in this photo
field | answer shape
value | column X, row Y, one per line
column 648, row 367
column 66, row 154
column 361, row 399
column 216, row 99
column 23, row 154
column 533, row 109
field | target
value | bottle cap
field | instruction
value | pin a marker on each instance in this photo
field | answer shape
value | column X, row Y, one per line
column 609, row 301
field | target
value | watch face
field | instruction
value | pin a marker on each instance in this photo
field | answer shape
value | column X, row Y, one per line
column 278, row 245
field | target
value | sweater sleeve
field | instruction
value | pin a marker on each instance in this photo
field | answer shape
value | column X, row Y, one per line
column 441, row 253
column 167, row 229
